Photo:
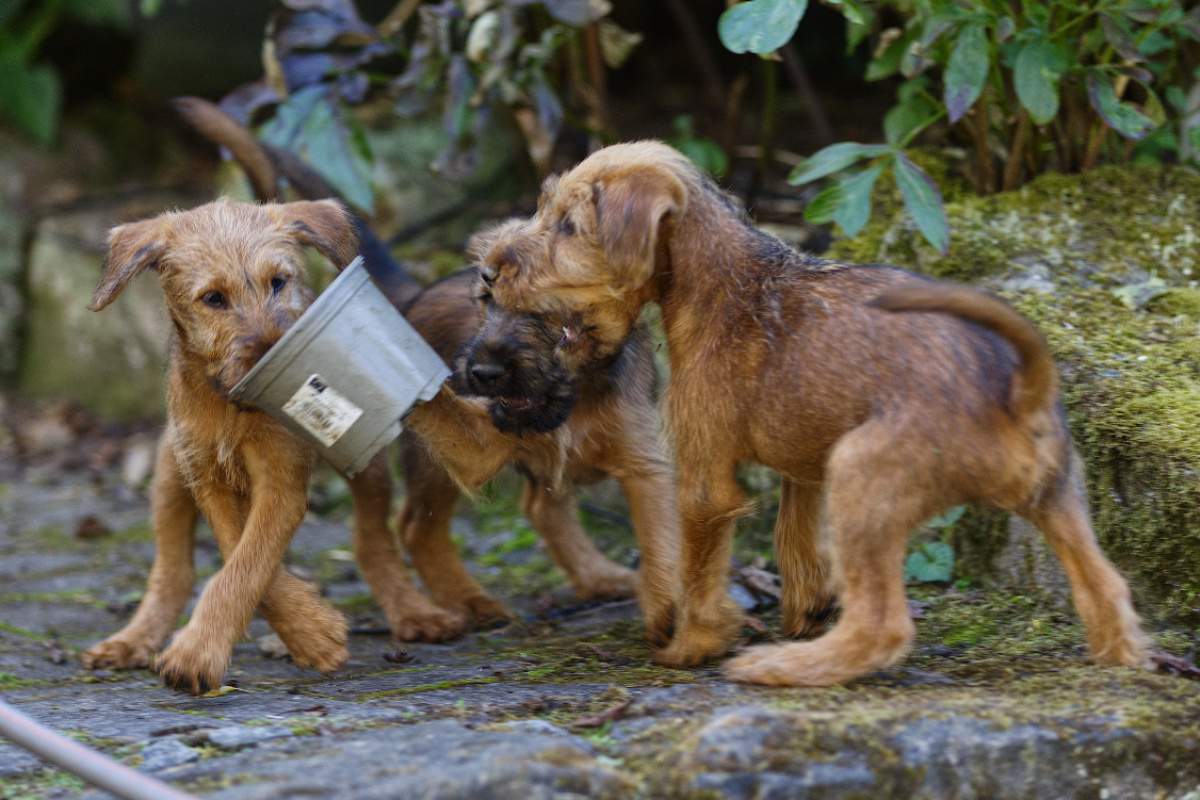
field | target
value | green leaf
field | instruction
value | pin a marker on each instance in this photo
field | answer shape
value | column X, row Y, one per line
column 1124, row 118
column 820, row 209
column 114, row 13
column 9, row 9
column 932, row 562
column 760, row 26
column 337, row 148
column 888, row 61
column 1005, row 28
column 852, row 11
column 854, row 209
column 909, row 116
column 30, row 96
column 966, row 71
column 924, row 202
column 285, row 127
column 1039, row 67
column 946, row 518
column 577, row 12
column 701, row 151
column 312, row 122
column 1177, row 99
column 834, row 158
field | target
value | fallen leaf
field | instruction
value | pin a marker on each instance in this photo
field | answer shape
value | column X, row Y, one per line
column 604, row 717
column 1167, row 664
column 90, row 527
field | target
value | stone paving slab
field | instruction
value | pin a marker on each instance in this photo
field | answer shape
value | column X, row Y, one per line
column 996, row 701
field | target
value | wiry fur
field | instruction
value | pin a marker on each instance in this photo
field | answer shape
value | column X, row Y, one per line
column 875, row 419
column 232, row 278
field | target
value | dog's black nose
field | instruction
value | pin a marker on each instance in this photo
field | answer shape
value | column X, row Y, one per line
column 486, row 373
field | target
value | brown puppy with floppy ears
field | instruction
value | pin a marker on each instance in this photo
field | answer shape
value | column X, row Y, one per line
column 232, row 279
column 876, row 419
column 561, row 427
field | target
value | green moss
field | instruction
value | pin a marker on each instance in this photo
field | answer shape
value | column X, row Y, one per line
column 1131, row 385
column 1127, row 218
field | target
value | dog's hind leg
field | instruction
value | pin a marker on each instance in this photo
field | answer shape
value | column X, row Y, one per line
column 410, row 615
column 424, row 525
column 172, row 577
column 708, row 620
column 809, row 590
column 1100, row 594
column 874, row 500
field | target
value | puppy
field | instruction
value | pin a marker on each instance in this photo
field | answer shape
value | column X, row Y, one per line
column 880, row 396
column 511, row 400
column 232, row 279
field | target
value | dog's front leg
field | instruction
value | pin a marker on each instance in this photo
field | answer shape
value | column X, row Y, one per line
column 462, row 438
column 710, row 501
column 651, row 498
column 196, row 660
column 171, row 578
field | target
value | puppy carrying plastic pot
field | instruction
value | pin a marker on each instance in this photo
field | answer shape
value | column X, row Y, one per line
column 347, row 373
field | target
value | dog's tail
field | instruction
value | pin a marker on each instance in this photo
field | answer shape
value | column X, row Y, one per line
column 1038, row 376
column 266, row 164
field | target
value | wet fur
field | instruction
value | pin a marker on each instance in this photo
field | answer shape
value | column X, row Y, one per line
column 234, row 464
column 880, row 396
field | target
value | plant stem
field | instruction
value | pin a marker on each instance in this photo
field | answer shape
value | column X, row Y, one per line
column 766, row 135
column 395, row 20
column 985, row 173
column 812, row 102
column 714, row 83
column 1095, row 142
column 599, row 88
column 1012, row 169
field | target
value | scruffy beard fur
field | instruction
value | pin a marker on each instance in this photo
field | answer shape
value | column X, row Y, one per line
column 512, row 362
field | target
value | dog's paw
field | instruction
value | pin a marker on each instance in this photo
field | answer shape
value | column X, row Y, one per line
column 768, row 665
column 315, row 634
column 690, row 650
column 186, row 667
column 484, row 609
column 810, row 620
column 433, row 625
column 117, row 653
column 610, row 582
column 660, row 624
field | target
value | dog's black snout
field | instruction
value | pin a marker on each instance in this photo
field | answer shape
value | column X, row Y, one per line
column 486, row 373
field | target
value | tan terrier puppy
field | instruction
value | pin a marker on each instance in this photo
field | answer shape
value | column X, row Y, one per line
column 232, row 279
column 876, row 420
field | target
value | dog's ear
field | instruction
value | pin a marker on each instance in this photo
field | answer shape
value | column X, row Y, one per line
column 326, row 225
column 132, row 248
column 480, row 243
column 632, row 209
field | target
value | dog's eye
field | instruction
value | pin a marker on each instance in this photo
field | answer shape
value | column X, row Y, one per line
column 566, row 227
column 484, row 297
column 277, row 283
column 214, row 300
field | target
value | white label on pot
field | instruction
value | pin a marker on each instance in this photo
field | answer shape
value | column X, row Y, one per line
column 322, row 410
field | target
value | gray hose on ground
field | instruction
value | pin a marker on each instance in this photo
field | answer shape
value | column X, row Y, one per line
column 95, row 768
